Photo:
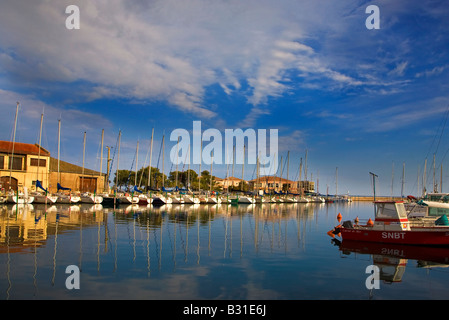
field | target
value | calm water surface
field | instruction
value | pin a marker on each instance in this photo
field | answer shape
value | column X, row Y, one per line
column 257, row 252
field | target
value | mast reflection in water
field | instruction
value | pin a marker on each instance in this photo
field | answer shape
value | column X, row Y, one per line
column 259, row 251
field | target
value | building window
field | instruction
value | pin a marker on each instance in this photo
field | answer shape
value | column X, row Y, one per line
column 17, row 162
column 38, row 162
column 2, row 162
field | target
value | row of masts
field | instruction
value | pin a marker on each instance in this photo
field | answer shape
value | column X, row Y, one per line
column 421, row 181
column 138, row 184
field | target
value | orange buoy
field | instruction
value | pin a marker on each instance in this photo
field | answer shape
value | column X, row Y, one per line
column 370, row 223
column 339, row 217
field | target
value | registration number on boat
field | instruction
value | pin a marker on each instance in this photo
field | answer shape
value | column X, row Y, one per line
column 393, row 235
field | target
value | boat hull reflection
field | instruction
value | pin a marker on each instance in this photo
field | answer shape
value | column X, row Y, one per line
column 420, row 253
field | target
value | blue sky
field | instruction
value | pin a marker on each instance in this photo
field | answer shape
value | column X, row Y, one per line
column 357, row 99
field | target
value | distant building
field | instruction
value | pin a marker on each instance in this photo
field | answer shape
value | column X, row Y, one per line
column 21, row 164
column 271, row 183
column 305, row 186
column 229, row 182
column 278, row 184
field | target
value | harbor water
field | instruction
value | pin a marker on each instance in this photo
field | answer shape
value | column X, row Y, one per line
column 212, row 252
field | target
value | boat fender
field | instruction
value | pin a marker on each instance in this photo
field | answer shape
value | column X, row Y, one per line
column 370, row 223
column 335, row 231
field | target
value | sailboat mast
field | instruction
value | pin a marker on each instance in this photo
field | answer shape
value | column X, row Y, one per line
column 84, row 153
column 163, row 160
column 336, row 181
column 199, row 167
column 392, row 180
column 137, row 158
column 13, row 143
column 118, row 160
column 101, row 154
column 300, row 173
column 188, row 171
column 177, row 157
column 39, row 152
column 434, row 182
column 424, row 191
column 59, row 148
column 151, row 155
column 288, row 166
column 243, row 166
column 211, row 163
column 403, row 177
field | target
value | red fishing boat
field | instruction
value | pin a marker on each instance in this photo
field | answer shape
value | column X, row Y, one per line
column 391, row 225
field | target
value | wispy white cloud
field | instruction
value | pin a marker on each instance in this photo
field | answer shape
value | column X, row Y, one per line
column 74, row 123
column 434, row 71
column 165, row 50
column 399, row 69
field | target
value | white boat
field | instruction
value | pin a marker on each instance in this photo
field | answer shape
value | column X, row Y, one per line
column 20, row 198
column 177, row 199
column 302, row 200
column 127, row 199
column 90, row 198
column 260, row 199
column 161, row 200
column 144, row 199
column 280, row 200
column 67, row 198
column 288, row 199
column 203, row 199
column 213, row 200
column 42, row 198
column 190, row 199
column 243, row 199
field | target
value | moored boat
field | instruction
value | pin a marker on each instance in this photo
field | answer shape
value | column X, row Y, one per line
column 91, row 198
column 391, row 225
column 144, row 199
column 161, row 200
column 42, row 198
column 19, row 197
column 67, row 198
column 190, row 199
column 127, row 199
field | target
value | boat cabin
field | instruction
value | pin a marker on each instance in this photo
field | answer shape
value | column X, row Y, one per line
column 390, row 215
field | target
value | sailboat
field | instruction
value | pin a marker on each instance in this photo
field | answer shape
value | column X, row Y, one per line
column 43, row 198
column 17, row 197
column 62, row 197
column 40, row 197
column 88, row 197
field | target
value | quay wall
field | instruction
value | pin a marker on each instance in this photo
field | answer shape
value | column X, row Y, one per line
column 378, row 198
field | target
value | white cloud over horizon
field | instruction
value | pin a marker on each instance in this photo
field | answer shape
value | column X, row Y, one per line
column 169, row 50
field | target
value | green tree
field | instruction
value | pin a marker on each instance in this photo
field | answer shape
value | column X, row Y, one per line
column 127, row 178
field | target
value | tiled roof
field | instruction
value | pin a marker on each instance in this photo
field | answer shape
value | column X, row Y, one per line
column 271, row 179
column 23, row 148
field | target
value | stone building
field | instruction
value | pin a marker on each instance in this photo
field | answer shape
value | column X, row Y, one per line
column 22, row 164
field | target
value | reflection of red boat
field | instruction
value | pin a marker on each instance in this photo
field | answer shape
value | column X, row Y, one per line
column 391, row 225
column 422, row 253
